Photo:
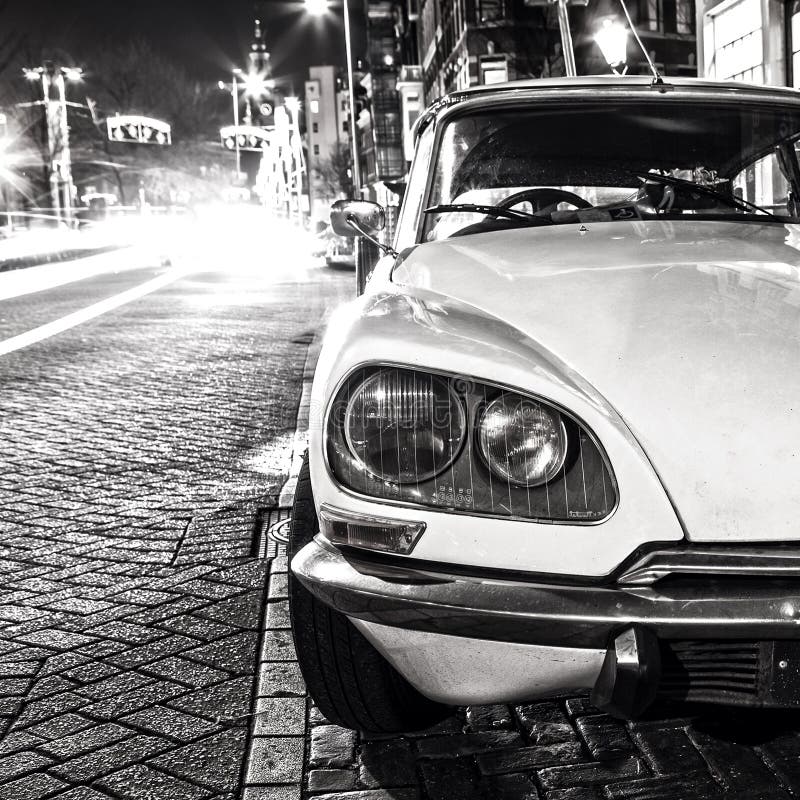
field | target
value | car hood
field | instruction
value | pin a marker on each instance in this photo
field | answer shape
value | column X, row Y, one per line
column 691, row 330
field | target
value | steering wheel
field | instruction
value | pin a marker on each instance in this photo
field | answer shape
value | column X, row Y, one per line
column 544, row 197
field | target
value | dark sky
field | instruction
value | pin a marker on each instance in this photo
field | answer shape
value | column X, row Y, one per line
column 208, row 37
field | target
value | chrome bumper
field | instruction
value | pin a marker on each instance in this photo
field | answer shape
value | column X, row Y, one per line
column 523, row 612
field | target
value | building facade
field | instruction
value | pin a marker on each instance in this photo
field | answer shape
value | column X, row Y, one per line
column 327, row 112
column 757, row 41
column 479, row 42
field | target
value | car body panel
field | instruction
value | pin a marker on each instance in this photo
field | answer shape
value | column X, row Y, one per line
column 430, row 331
column 689, row 330
column 461, row 670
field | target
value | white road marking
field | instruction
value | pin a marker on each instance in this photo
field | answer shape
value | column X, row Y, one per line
column 90, row 312
column 16, row 282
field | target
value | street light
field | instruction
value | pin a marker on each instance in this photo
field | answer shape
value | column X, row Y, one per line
column 55, row 108
column 316, row 8
column 237, row 73
column 612, row 39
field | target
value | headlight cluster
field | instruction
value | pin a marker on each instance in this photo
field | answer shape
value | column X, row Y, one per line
column 435, row 440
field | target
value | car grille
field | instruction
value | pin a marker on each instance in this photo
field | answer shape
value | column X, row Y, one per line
column 714, row 671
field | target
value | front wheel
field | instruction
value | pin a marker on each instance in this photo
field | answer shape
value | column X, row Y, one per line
column 349, row 680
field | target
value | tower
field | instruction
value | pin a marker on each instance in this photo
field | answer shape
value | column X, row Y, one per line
column 259, row 57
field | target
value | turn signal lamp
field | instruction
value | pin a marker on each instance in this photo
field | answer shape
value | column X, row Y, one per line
column 356, row 530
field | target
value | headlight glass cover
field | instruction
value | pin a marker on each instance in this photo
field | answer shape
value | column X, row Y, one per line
column 522, row 440
column 404, row 426
column 449, row 442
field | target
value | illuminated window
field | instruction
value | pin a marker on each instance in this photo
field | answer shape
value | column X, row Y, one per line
column 314, row 106
column 734, row 38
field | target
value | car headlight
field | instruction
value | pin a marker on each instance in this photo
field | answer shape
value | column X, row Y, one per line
column 403, row 426
column 409, row 436
column 522, row 440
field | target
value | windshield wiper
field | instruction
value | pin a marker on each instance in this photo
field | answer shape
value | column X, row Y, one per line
column 734, row 202
column 491, row 211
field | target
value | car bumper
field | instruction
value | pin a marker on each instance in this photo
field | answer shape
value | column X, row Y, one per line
column 610, row 635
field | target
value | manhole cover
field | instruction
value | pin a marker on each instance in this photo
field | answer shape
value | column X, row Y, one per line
column 279, row 531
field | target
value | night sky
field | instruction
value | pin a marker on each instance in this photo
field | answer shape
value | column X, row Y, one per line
column 207, row 37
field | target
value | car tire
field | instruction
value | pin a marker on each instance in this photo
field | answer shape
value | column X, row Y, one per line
column 349, row 680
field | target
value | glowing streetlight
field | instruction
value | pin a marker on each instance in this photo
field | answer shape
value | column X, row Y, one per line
column 72, row 73
column 256, row 85
column 612, row 39
column 316, row 7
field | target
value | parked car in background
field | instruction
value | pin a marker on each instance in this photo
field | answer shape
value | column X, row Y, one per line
column 340, row 252
column 558, row 436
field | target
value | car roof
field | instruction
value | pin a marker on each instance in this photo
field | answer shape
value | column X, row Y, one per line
column 629, row 82
column 632, row 85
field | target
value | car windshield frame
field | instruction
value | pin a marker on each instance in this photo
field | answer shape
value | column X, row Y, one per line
column 533, row 101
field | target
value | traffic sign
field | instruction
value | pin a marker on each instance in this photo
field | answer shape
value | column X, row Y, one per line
column 247, row 137
column 135, row 129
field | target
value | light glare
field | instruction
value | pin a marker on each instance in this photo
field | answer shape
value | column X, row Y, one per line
column 316, row 7
column 612, row 39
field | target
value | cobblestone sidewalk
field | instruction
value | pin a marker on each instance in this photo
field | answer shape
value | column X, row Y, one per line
column 139, row 453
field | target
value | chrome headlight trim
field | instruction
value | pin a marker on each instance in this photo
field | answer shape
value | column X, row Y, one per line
column 504, row 387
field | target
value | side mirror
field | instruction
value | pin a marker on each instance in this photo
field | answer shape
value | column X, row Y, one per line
column 357, row 218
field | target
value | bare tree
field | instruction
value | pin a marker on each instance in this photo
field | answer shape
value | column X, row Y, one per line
column 134, row 78
column 12, row 38
column 334, row 173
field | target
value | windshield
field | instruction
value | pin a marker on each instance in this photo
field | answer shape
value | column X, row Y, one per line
column 575, row 163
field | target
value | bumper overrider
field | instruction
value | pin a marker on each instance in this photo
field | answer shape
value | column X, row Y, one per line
column 697, row 638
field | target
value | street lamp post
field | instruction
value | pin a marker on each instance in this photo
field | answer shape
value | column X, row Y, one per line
column 566, row 39
column 318, row 7
column 235, row 95
column 255, row 86
column 54, row 99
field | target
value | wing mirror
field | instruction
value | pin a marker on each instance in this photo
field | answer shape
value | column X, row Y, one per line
column 359, row 218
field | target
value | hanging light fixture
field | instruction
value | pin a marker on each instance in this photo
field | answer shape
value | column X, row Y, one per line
column 612, row 39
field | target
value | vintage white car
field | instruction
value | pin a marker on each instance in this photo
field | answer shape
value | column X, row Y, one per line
column 555, row 445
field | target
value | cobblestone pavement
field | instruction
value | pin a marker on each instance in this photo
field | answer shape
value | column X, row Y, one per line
column 139, row 452
column 559, row 749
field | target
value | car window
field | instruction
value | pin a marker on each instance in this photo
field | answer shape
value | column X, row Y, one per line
column 566, row 163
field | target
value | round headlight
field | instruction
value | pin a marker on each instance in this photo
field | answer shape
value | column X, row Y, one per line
column 403, row 426
column 523, row 441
